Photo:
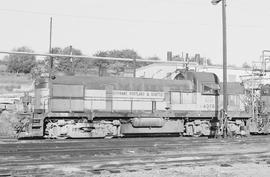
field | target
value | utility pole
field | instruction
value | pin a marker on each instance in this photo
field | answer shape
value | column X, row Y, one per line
column 50, row 50
column 224, row 31
column 71, row 60
column 225, row 101
column 134, row 67
column 50, row 66
column 224, row 43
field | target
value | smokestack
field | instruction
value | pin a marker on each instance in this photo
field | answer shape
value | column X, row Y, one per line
column 187, row 58
column 169, row 56
column 197, row 58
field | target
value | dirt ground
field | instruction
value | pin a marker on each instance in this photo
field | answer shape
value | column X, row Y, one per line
column 222, row 170
column 235, row 170
column 137, row 157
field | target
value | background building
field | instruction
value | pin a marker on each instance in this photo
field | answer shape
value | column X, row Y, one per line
column 167, row 70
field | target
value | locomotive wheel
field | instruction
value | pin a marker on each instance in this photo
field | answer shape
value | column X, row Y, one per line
column 197, row 134
column 61, row 137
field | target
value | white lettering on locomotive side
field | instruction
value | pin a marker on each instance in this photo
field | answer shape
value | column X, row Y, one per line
column 209, row 106
column 207, row 103
column 136, row 93
column 121, row 93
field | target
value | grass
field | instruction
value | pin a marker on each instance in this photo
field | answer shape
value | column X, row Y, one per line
column 10, row 83
column 15, row 78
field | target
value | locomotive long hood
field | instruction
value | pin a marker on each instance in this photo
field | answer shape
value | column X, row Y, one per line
column 129, row 84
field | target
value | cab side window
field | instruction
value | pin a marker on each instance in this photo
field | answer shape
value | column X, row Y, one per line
column 208, row 89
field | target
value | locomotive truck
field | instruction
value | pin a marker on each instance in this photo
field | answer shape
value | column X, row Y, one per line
column 94, row 107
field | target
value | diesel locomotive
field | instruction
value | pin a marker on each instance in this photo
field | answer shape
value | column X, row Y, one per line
column 95, row 107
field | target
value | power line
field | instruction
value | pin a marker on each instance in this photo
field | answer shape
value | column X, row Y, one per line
column 108, row 19
column 94, row 18
column 124, row 20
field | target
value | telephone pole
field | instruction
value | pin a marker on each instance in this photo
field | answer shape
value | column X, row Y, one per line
column 50, row 50
column 224, row 43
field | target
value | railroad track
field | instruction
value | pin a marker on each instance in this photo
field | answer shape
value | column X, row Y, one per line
column 117, row 155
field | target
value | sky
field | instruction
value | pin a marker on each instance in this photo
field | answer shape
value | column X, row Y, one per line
column 150, row 27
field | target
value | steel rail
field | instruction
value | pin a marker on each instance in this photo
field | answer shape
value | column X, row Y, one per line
column 5, row 150
column 93, row 160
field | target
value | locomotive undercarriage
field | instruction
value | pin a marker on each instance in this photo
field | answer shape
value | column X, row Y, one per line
column 79, row 125
column 234, row 127
column 81, row 128
column 238, row 127
column 198, row 128
column 61, row 128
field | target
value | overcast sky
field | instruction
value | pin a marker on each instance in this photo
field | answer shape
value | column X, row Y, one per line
column 150, row 27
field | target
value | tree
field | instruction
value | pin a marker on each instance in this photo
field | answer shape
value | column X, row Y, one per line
column 101, row 64
column 115, row 67
column 65, row 64
column 21, row 63
column 38, row 70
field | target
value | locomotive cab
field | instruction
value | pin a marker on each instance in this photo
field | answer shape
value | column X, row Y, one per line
column 204, row 110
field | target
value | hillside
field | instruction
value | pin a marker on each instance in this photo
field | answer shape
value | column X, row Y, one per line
column 12, row 87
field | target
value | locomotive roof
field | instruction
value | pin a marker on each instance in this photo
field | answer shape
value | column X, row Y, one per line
column 206, row 77
column 124, row 83
column 202, row 77
column 199, row 79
